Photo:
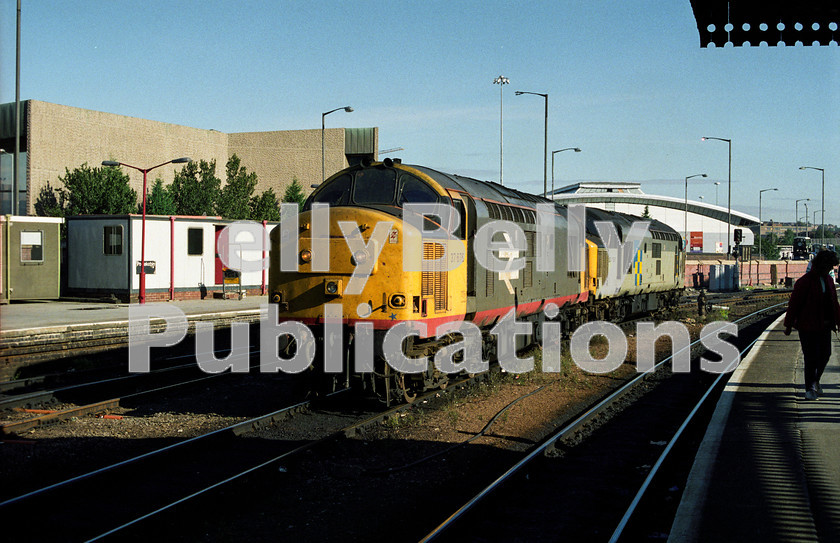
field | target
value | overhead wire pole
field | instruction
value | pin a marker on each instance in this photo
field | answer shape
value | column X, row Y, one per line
column 501, row 81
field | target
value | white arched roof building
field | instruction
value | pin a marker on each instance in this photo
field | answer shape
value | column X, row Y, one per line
column 706, row 224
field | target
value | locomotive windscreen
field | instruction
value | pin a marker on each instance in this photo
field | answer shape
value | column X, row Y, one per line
column 373, row 187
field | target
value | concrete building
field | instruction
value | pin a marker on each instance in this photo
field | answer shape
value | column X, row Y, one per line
column 55, row 138
column 702, row 225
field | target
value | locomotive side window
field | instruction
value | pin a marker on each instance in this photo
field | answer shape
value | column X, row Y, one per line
column 414, row 191
column 337, row 193
column 375, row 186
column 657, row 250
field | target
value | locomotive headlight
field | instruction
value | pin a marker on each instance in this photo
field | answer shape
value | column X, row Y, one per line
column 360, row 257
column 397, row 300
column 306, row 255
column 332, row 288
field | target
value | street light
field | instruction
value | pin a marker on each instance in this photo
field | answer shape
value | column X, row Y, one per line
column 806, row 220
column 348, row 109
column 545, row 148
column 501, row 81
column 822, row 205
column 729, row 198
column 141, row 298
column 797, row 207
column 685, row 215
column 760, row 193
column 717, row 184
column 575, row 149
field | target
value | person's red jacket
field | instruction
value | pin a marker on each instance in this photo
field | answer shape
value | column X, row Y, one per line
column 805, row 311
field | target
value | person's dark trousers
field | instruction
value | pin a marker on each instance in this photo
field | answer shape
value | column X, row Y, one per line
column 816, row 349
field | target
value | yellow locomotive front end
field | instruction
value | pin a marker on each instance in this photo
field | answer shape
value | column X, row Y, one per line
column 360, row 255
column 386, row 294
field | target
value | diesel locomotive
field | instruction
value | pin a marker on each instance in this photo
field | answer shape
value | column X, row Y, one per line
column 452, row 285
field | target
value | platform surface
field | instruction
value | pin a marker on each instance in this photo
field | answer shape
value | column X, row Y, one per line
column 769, row 466
column 45, row 315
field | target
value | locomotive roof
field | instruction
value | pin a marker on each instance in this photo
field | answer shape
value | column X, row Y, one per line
column 482, row 189
column 493, row 191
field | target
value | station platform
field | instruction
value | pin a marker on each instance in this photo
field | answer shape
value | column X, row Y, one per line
column 36, row 332
column 769, row 465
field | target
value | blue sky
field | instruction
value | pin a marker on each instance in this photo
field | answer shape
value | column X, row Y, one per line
column 627, row 83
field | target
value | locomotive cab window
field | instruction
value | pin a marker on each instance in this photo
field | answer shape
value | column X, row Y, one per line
column 375, row 186
column 414, row 191
column 335, row 193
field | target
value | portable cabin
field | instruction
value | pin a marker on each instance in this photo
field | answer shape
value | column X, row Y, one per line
column 30, row 258
column 182, row 260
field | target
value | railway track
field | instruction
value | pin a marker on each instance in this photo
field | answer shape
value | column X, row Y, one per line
column 101, row 501
column 156, row 481
column 227, row 449
column 586, row 494
column 100, row 394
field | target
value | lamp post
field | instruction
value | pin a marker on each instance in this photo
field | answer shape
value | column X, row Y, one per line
column 501, row 81
column 806, row 220
column 717, row 184
column 348, row 109
column 729, row 198
column 545, row 146
column 575, row 149
column 141, row 298
column 685, row 215
column 822, row 204
column 797, row 207
column 760, row 223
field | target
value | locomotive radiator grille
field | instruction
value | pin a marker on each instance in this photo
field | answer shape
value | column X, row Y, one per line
column 434, row 281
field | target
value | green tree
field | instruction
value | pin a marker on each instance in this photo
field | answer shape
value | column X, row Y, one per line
column 770, row 247
column 50, row 202
column 646, row 214
column 787, row 239
column 159, row 201
column 235, row 198
column 97, row 191
column 195, row 188
column 265, row 207
column 294, row 193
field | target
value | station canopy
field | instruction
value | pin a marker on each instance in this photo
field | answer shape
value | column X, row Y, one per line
column 745, row 23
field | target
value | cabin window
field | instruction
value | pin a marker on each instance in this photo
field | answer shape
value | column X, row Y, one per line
column 113, row 240
column 375, row 186
column 531, row 243
column 415, row 191
column 335, row 193
column 195, row 241
column 656, row 251
column 32, row 246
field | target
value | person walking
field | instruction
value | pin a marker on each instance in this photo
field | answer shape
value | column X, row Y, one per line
column 814, row 311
